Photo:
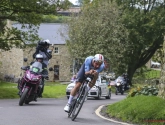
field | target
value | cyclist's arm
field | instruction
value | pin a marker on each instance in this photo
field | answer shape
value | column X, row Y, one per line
column 87, row 66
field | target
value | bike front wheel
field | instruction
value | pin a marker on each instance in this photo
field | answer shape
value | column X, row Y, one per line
column 79, row 102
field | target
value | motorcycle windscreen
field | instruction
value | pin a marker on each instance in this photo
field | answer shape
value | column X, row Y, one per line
column 36, row 67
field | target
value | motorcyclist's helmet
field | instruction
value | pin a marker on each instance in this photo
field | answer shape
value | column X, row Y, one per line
column 45, row 42
column 39, row 56
column 125, row 75
column 99, row 58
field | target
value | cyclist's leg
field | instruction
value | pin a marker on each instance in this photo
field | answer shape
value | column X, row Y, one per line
column 80, row 78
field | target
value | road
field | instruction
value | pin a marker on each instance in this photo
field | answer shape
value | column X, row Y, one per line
column 50, row 112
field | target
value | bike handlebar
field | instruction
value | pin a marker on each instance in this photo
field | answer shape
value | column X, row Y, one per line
column 89, row 77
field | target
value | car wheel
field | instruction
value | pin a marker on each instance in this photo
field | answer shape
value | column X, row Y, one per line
column 109, row 94
column 99, row 94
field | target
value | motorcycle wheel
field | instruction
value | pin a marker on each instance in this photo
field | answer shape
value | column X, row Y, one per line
column 23, row 96
column 26, row 102
column 116, row 92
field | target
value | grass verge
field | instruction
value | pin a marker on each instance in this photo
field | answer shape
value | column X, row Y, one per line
column 51, row 90
column 141, row 109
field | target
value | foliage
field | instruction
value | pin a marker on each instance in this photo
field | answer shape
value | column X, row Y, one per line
column 147, row 74
column 138, row 110
column 146, row 32
column 128, row 34
column 54, row 19
column 157, row 57
column 147, row 90
column 97, row 30
column 28, row 13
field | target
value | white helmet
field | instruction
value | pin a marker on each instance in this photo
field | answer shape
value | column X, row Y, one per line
column 47, row 41
column 44, row 42
column 39, row 56
column 99, row 58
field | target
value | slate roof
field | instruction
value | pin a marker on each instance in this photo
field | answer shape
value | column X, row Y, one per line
column 55, row 32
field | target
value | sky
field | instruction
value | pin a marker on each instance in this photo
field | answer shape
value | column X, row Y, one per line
column 73, row 1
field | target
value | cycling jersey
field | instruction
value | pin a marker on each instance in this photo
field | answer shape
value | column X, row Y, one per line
column 87, row 66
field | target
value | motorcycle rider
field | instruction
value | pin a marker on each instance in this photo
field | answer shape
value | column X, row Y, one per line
column 126, row 79
column 92, row 65
column 43, row 48
column 40, row 58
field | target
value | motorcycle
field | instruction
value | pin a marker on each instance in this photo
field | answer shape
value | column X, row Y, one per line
column 120, row 85
column 31, row 83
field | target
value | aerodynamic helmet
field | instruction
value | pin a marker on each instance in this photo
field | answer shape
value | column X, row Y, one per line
column 99, row 58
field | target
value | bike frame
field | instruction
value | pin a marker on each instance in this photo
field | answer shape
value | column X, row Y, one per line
column 77, row 103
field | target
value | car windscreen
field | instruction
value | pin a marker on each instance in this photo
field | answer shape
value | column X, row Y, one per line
column 103, row 79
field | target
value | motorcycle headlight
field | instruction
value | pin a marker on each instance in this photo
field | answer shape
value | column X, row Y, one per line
column 35, row 79
column 28, row 76
column 118, row 83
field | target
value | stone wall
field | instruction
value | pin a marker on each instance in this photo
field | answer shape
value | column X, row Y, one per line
column 11, row 61
column 63, row 59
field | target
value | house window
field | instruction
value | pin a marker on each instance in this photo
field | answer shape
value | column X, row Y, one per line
column 56, row 50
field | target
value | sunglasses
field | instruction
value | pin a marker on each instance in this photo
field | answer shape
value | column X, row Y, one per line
column 98, row 62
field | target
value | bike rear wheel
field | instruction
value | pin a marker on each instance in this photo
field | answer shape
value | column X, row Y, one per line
column 79, row 102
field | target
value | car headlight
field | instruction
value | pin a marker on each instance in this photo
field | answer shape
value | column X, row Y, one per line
column 94, row 88
column 70, row 87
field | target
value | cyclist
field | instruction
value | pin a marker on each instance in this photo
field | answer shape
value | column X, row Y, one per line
column 92, row 65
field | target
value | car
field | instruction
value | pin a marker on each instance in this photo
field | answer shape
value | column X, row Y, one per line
column 111, row 76
column 100, row 89
column 69, row 88
column 155, row 64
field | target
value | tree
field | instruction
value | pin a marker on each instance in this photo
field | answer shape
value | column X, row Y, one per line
column 27, row 12
column 145, row 23
column 129, row 34
column 97, row 30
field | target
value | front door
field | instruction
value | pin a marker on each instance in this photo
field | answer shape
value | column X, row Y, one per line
column 56, row 72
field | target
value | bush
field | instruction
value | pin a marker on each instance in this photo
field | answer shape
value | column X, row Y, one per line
column 150, row 90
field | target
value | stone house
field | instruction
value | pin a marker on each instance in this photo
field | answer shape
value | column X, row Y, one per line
column 61, row 61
